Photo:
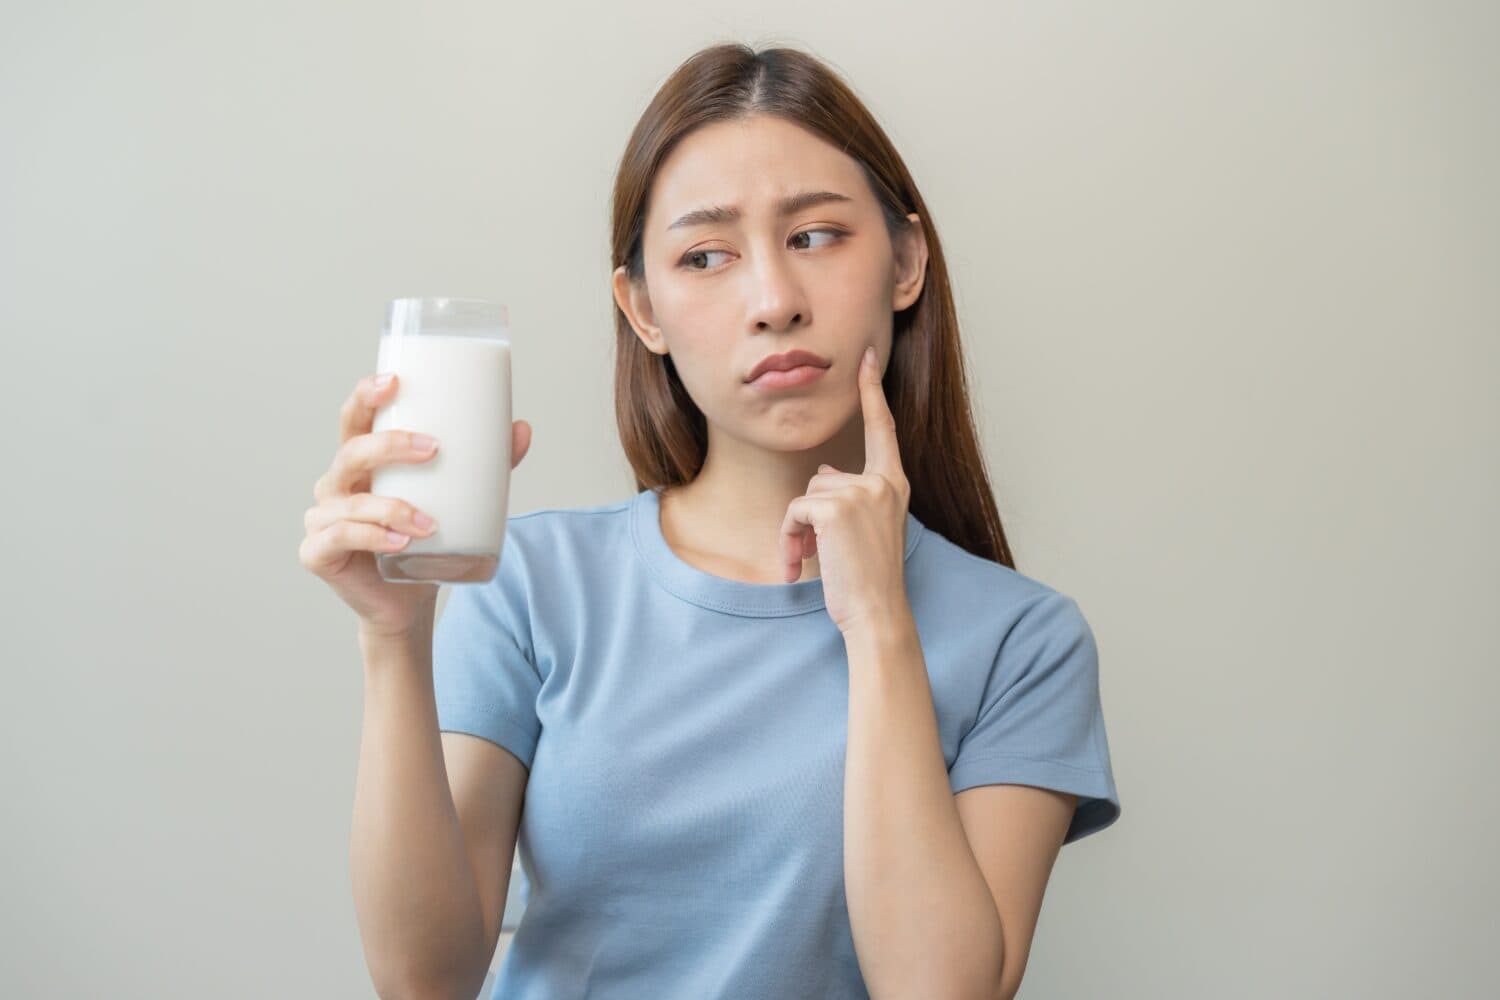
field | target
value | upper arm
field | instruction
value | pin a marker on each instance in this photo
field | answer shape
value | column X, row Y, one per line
column 488, row 784
column 1015, row 832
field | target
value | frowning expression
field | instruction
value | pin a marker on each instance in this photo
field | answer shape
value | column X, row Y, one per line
column 761, row 238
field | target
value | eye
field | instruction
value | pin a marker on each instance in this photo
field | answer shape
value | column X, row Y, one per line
column 835, row 233
column 693, row 255
column 689, row 259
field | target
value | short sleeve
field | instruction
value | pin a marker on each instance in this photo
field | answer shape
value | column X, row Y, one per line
column 484, row 676
column 1041, row 720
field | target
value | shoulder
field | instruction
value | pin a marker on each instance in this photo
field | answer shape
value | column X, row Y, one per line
column 550, row 539
column 552, row 559
column 970, row 585
column 553, row 523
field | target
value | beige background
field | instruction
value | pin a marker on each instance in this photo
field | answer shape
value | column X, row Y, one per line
column 1227, row 274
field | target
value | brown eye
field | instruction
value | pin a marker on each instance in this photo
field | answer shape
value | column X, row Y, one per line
column 836, row 234
column 693, row 256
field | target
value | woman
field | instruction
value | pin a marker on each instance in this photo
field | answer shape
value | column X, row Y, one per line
column 787, row 721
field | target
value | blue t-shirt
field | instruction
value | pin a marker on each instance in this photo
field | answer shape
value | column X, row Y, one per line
column 682, row 831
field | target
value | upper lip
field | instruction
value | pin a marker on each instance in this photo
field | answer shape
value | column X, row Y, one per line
column 781, row 362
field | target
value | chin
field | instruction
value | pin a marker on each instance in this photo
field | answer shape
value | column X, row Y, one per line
column 791, row 439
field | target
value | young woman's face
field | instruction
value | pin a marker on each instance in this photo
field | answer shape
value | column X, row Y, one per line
column 725, row 289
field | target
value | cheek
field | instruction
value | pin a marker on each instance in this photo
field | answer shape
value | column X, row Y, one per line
column 854, row 289
column 688, row 309
column 697, row 350
column 697, row 324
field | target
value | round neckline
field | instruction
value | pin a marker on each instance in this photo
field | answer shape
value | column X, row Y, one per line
column 718, row 593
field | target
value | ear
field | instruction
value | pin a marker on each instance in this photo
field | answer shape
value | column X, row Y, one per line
column 911, row 264
column 635, row 302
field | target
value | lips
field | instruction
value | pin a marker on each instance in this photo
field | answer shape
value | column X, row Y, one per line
column 782, row 362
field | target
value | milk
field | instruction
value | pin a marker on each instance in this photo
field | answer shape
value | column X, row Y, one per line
column 457, row 389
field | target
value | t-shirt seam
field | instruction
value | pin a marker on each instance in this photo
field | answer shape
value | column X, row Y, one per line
column 614, row 508
column 975, row 757
column 711, row 605
column 492, row 713
column 652, row 569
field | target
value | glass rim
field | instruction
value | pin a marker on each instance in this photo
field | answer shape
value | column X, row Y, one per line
column 412, row 314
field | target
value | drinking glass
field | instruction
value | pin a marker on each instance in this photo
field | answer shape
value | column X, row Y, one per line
column 451, row 357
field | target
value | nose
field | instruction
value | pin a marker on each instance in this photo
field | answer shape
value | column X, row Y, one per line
column 777, row 298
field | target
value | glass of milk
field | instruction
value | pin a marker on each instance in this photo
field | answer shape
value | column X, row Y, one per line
column 452, row 362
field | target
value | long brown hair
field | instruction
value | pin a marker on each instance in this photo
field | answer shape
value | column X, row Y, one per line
column 664, row 433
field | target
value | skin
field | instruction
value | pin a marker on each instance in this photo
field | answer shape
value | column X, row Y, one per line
column 756, row 286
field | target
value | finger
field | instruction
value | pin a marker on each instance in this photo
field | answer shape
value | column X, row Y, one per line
column 882, row 454
column 359, row 456
column 388, row 512
column 520, row 441
column 831, row 479
column 809, row 537
column 328, row 551
column 357, row 415
column 802, row 514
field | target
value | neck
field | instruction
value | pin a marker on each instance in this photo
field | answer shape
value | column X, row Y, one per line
column 728, row 520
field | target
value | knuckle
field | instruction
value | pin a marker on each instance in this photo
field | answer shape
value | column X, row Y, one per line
column 354, row 452
column 380, row 509
column 363, row 508
column 310, row 553
column 344, row 534
column 389, row 511
column 354, row 505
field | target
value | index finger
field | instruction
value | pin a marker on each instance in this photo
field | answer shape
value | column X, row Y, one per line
column 357, row 415
column 882, row 454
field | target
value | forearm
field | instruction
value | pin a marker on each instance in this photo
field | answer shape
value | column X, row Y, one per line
column 415, row 894
column 923, row 919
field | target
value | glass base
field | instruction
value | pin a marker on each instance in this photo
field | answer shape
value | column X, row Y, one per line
column 437, row 567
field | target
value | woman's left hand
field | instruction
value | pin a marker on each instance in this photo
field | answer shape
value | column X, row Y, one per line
column 856, row 522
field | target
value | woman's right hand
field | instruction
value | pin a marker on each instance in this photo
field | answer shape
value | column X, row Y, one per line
column 348, row 525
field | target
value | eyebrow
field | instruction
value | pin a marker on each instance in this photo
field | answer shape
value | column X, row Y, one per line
column 786, row 206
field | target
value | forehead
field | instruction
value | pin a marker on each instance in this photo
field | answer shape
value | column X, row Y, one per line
column 749, row 162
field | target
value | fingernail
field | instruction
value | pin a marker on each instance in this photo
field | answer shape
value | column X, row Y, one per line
column 381, row 381
column 422, row 520
column 422, row 442
column 870, row 355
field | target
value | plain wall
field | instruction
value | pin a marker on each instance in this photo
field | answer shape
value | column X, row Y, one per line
column 1227, row 275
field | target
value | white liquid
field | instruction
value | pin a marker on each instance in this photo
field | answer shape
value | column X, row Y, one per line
column 457, row 389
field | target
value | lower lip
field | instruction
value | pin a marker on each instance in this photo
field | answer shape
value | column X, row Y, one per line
column 789, row 379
